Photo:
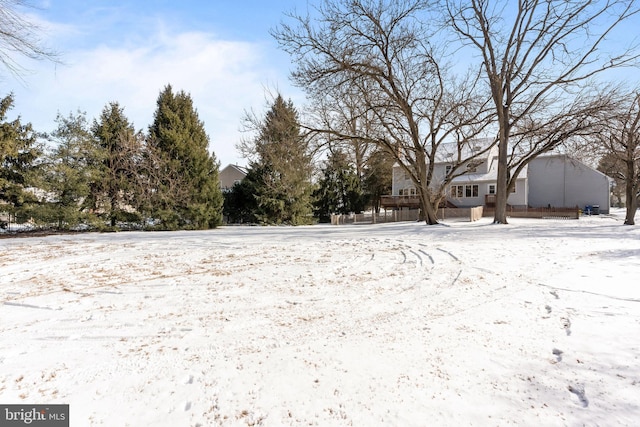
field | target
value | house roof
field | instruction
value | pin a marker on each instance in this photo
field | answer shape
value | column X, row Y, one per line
column 491, row 176
column 238, row 168
column 448, row 152
column 571, row 159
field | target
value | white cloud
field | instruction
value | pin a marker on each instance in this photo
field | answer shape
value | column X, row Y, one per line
column 224, row 78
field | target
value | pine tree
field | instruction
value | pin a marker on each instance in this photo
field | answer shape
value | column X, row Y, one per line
column 113, row 133
column 240, row 204
column 339, row 191
column 179, row 137
column 378, row 176
column 283, row 168
column 70, row 169
column 19, row 153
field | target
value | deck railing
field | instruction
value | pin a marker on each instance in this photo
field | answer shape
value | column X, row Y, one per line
column 400, row 201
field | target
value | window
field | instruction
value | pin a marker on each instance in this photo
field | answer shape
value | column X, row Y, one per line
column 447, row 169
column 472, row 166
column 492, row 189
column 464, row 191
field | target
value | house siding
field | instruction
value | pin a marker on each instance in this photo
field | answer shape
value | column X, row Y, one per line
column 229, row 176
column 559, row 181
column 552, row 180
column 521, row 196
column 400, row 181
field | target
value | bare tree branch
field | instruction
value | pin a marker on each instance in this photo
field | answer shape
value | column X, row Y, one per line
column 377, row 79
column 539, row 59
column 20, row 37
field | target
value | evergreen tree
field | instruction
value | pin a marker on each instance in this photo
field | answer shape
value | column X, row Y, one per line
column 19, row 152
column 179, row 138
column 114, row 134
column 283, row 168
column 378, row 175
column 240, row 204
column 70, row 169
column 339, row 191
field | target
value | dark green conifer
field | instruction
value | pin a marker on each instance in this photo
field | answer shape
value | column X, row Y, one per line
column 282, row 171
column 19, row 153
column 178, row 136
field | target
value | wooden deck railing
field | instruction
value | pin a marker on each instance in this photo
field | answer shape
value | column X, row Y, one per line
column 400, row 201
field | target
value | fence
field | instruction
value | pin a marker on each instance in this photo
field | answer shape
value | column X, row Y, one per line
column 542, row 213
column 470, row 214
column 373, row 218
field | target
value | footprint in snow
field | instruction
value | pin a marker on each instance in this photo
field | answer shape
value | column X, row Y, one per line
column 566, row 323
column 578, row 390
column 558, row 354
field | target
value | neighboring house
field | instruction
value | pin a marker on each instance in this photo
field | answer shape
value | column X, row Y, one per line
column 548, row 181
column 558, row 180
column 231, row 175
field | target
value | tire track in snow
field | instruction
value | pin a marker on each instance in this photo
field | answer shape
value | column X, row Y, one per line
column 427, row 255
column 417, row 256
column 449, row 253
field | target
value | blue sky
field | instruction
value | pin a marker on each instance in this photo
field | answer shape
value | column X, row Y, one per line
column 219, row 51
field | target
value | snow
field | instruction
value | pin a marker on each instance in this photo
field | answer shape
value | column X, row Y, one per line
column 532, row 323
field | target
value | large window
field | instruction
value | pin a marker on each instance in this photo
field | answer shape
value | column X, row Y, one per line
column 492, row 189
column 464, row 191
column 407, row 192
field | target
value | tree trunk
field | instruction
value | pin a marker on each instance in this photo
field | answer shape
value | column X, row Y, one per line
column 502, row 192
column 430, row 214
column 631, row 193
column 632, row 207
column 112, row 212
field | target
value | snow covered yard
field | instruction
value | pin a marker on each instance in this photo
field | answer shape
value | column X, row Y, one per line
column 532, row 323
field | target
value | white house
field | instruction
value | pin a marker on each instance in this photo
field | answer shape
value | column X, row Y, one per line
column 556, row 181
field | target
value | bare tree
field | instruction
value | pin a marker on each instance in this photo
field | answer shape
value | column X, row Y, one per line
column 337, row 109
column 19, row 37
column 538, row 58
column 378, row 80
column 621, row 143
